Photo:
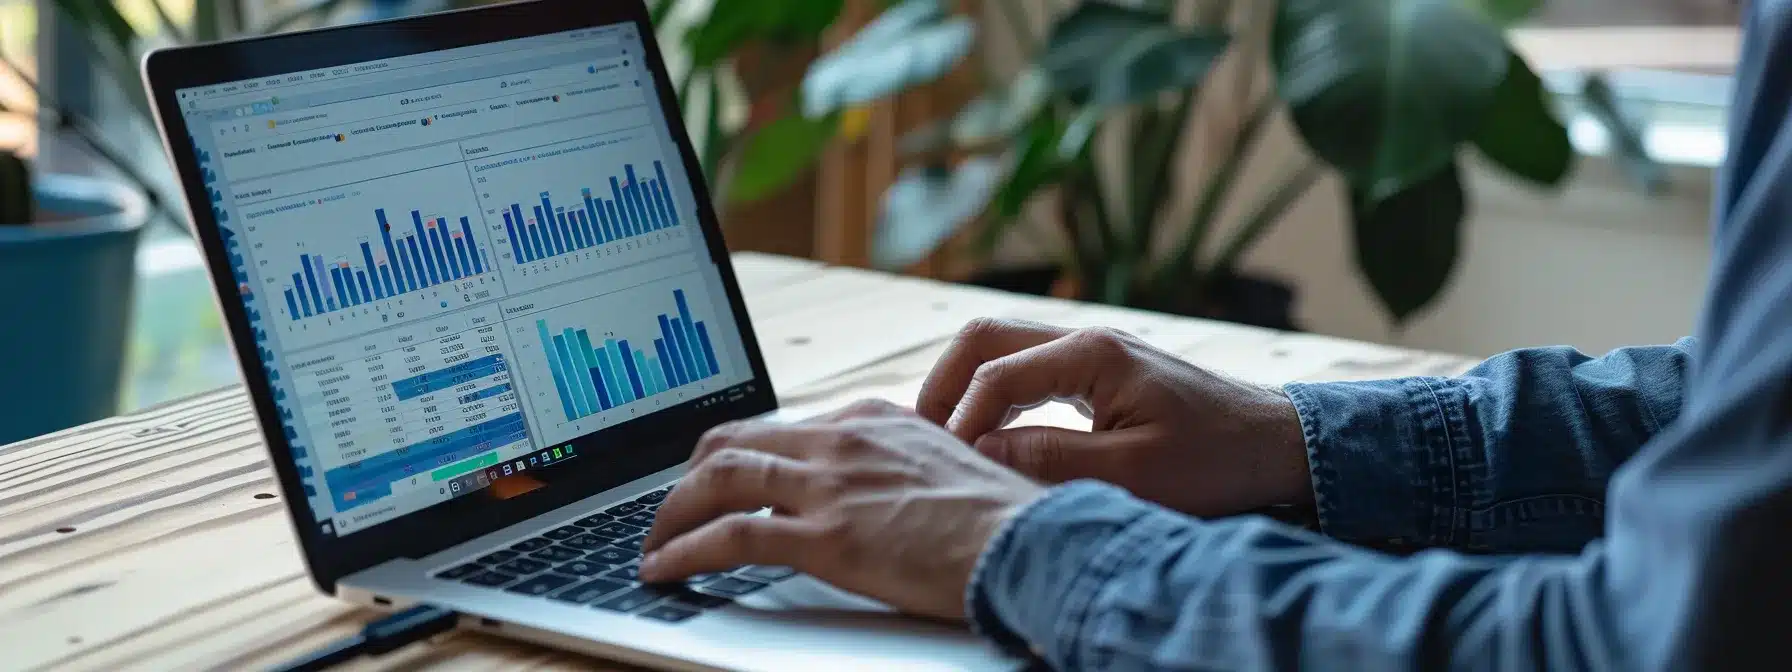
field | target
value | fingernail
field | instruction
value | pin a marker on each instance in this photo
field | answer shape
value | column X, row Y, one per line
column 650, row 566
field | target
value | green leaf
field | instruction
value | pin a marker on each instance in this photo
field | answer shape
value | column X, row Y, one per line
column 1521, row 133
column 908, row 45
column 779, row 154
column 927, row 205
column 1002, row 112
column 1407, row 242
column 1111, row 54
column 1038, row 166
column 1386, row 90
column 1505, row 12
column 732, row 24
column 101, row 22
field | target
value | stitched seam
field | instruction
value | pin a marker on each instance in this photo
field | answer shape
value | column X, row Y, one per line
column 1121, row 552
column 1449, row 519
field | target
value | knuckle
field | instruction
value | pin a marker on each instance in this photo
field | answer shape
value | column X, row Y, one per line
column 729, row 463
column 717, row 438
column 979, row 328
column 871, row 408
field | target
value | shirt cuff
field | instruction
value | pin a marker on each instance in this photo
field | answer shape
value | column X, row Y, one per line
column 1380, row 454
column 1033, row 587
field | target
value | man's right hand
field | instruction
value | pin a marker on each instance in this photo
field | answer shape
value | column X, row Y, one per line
column 1164, row 429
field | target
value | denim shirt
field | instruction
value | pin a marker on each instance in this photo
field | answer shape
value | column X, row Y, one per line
column 1631, row 512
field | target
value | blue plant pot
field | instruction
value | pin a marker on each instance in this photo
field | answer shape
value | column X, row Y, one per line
column 66, row 286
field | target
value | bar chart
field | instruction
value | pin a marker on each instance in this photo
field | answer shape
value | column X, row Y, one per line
column 592, row 376
column 603, row 360
column 430, row 253
column 589, row 205
column 636, row 206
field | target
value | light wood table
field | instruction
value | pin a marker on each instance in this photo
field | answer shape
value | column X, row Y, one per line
column 157, row 541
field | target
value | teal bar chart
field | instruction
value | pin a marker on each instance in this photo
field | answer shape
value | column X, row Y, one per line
column 593, row 374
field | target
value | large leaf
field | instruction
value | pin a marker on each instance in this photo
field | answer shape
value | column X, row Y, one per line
column 1407, row 242
column 1003, row 112
column 1109, row 54
column 911, row 43
column 779, row 154
column 1521, row 133
column 1386, row 90
column 733, row 23
column 927, row 205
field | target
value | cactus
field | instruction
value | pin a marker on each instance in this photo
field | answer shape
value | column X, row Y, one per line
column 15, row 190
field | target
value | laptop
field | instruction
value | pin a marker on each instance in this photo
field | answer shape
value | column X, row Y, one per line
column 484, row 311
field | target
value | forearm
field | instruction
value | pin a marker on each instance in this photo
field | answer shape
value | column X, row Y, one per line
column 1091, row 578
column 1512, row 456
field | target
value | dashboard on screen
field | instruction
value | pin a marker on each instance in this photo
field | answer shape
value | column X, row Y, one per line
column 456, row 262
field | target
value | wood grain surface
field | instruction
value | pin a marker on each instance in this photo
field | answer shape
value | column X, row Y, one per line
column 158, row 541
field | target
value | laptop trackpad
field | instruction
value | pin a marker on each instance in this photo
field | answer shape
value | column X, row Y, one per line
column 806, row 593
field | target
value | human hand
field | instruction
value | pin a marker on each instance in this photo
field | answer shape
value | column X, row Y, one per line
column 1164, row 429
column 872, row 499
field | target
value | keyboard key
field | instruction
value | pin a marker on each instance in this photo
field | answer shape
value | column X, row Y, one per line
column 698, row 600
column 625, row 572
column 565, row 532
column 641, row 518
column 764, row 573
column 589, row 590
column 631, row 600
column 586, row 542
column 632, row 543
column 594, row 520
column 557, row 554
column 618, row 530
column 528, row 545
column 700, row 579
column 612, row 556
column 582, row 568
column 460, row 572
column 523, row 566
column 669, row 613
column 495, row 557
column 623, row 509
column 654, row 497
column 542, row 585
column 489, row 578
column 733, row 587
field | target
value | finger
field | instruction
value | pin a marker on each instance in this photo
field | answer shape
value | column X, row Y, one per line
column 1072, row 367
column 793, row 441
column 980, row 341
column 731, row 541
column 733, row 479
column 1056, row 455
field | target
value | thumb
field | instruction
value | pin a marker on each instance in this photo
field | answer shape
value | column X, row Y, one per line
column 1054, row 454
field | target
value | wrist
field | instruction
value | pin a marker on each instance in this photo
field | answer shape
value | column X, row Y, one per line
column 1284, row 474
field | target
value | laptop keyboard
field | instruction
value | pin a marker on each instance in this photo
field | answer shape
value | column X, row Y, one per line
column 595, row 561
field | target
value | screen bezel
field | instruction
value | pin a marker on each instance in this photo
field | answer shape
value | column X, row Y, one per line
column 655, row 442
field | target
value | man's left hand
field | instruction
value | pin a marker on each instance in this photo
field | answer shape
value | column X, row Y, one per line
column 873, row 499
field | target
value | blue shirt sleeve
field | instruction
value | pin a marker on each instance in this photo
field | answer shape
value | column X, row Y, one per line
column 1689, row 574
column 1512, row 456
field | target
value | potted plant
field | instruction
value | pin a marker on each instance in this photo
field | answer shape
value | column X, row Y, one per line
column 1386, row 94
column 67, row 256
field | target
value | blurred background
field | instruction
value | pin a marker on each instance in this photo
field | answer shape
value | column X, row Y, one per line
column 1201, row 157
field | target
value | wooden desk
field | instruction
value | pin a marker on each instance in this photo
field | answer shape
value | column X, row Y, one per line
column 157, row 540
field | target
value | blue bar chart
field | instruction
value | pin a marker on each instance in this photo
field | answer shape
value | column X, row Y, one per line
column 431, row 251
column 595, row 374
column 636, row 205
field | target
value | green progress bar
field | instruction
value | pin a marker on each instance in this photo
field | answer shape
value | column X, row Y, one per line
column 464, row 466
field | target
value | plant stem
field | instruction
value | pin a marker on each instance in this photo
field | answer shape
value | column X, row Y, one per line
column 1269, row 211
column 713, row 145
column 1157, row 159
column 1219, row 186
column 660, row 9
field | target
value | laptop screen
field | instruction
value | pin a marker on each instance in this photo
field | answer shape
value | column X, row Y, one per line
column 459, row 262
